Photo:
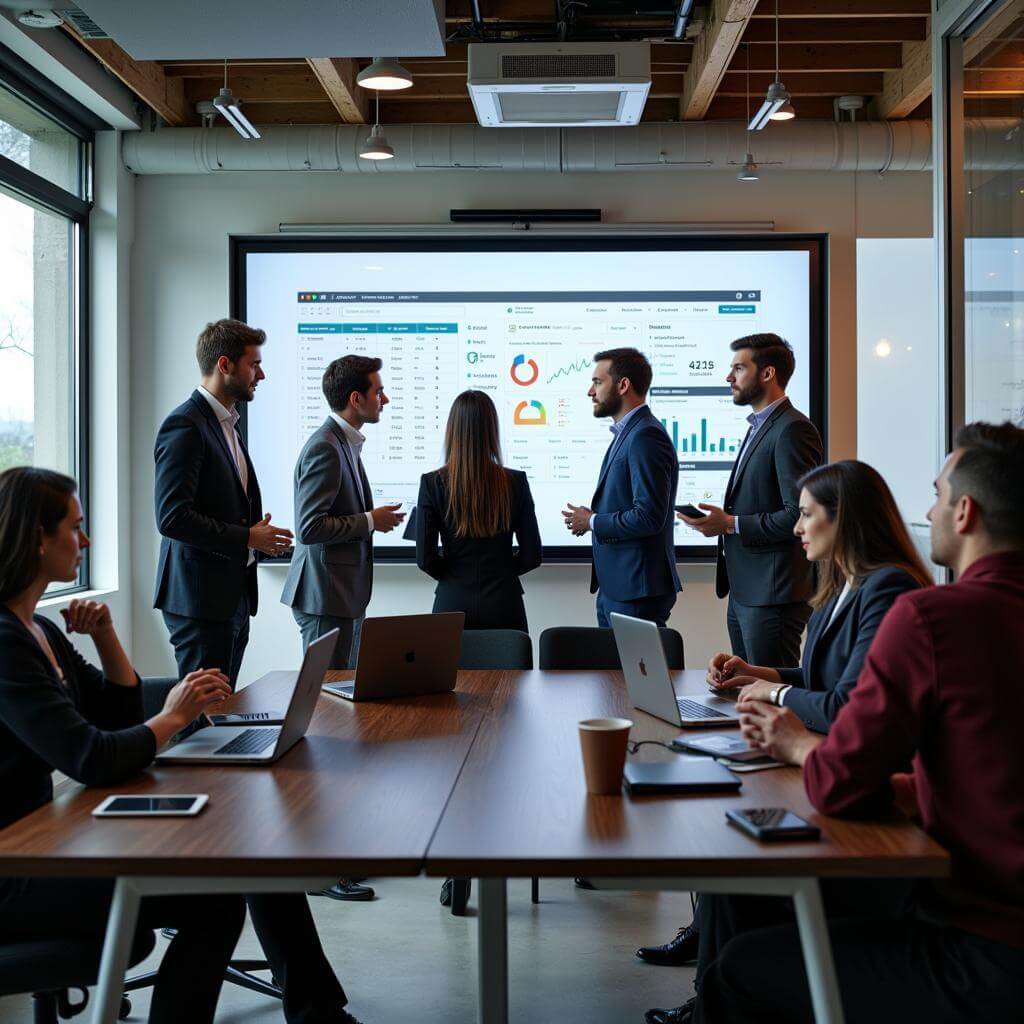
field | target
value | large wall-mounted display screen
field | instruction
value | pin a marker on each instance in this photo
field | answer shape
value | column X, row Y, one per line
column 521, row 319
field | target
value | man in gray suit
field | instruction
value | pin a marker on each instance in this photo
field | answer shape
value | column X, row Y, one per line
column 761, row 565
column 331, row 574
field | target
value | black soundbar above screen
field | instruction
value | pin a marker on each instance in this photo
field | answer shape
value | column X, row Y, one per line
column 521, row 318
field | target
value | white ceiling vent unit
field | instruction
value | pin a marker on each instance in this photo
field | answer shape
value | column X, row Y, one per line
column 551, row 85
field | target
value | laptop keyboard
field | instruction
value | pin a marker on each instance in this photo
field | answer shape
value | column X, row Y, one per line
column 252, row 741
column 694, row 709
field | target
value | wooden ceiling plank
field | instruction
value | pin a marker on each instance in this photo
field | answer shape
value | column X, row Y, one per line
column 337, row 76
column 145, row 78
column 845, row 9
column 713, row 51
column 823, row 57
column 837, row 30
column 254, row 88
column 844, row 83
column 733, row 108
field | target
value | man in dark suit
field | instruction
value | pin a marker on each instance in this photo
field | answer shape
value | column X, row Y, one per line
column 634, row 568
column 210, row 516
column 208, row 508
column 331, row 576
column 761, row 566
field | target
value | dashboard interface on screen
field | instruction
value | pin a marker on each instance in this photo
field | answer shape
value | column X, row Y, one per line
column 522, row 324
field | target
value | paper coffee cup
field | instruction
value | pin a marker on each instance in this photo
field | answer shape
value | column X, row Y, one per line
column 603, row 744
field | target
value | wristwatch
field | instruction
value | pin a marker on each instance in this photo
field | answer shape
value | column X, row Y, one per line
column 773, row 695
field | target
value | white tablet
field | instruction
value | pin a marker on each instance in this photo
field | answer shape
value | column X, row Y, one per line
column 173, row 805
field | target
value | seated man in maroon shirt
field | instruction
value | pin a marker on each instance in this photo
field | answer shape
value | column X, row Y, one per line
column 938, row 691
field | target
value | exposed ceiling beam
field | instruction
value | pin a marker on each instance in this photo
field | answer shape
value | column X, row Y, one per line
column 993, row 83
column 712, row 53
column 337, row 75
column 823, row 57
column 256, row 88
column 145, row 78
column 733, row 108
column 845, row 9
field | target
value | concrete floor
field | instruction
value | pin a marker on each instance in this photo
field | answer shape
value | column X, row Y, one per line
column 405, row 958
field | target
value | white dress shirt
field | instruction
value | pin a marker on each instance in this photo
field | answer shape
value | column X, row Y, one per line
column 227, row 418
column 356, row 440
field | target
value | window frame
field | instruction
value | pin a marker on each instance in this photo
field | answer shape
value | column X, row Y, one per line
column 24, row 185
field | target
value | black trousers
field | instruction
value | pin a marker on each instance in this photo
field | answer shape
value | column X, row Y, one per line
column 203, row 643
column 767, row 635
column 721, row 917
column 346, row 650
column 890, row 972
column 192, row 969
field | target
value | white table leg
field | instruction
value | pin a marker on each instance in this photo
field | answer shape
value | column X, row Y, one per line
column 814, row 939
column 492, row 932
column 117, row 948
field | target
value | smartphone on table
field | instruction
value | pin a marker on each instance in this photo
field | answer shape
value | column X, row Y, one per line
column 772, row 824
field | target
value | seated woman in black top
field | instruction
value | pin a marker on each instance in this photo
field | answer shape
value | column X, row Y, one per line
column 475, row 506
column 851, row 528
column 57, row 711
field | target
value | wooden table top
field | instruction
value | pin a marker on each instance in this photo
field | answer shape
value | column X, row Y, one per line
column 361, row 794
column 520, row 806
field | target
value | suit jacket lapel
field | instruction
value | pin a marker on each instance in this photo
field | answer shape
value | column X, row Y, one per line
column 350, row 456
column 740, row 466
column 218, row 433
column 620, row 441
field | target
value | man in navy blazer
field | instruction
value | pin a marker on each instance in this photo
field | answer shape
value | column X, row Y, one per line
column 209, row 510
column 634, row 567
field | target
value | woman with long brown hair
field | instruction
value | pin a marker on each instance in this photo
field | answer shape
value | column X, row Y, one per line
column 474, row 506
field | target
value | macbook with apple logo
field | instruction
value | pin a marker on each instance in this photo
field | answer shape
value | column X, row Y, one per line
column 405, row 656
column 650, row 685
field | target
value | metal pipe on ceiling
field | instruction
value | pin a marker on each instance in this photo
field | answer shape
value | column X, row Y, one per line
column 875, row 146
column 682, row 18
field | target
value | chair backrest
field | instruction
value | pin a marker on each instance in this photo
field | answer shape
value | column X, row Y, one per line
column 154, row 693
column 496, row 648
column 593, row 647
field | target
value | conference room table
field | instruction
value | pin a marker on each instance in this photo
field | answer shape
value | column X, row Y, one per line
column 485, row 782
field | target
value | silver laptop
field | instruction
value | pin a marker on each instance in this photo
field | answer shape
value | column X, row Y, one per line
column 405, row 656
column 261, row 744
column 650, row 685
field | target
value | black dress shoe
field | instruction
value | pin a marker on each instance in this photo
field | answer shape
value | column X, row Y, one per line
column 584, row 883
column 677, row 1015
column 680, row 952
column 346, row 889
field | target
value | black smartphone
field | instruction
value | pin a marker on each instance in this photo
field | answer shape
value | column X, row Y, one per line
column 692, row 511
column 771, row 824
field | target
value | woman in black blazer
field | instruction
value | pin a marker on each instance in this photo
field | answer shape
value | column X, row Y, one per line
column 57, row 711
column 475, row 506
column 851, row 528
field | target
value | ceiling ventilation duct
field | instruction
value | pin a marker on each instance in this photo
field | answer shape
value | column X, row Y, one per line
column 559, row 85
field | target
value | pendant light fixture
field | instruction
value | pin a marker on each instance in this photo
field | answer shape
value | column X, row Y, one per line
column 384, row 73
column 777, row 105
column 231, row 108
column 377, row 147
column 749, row 170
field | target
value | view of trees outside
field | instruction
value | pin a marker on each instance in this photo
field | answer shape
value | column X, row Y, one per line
column 16, row 335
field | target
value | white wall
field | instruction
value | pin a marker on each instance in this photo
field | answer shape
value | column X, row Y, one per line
column 179, row 281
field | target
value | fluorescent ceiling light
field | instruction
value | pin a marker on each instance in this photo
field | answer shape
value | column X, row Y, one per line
column 384, row 73
column 749, row 171
column 376, row 147
column 230, row 107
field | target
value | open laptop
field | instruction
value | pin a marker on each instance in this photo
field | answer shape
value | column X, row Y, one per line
column 650, row 685
column 261, row 744
column 405, row 656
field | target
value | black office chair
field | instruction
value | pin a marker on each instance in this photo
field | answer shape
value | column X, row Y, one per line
column 239, row 972
column 51, row 969
column 483, row 649
column 593, row 647
column 496, row 648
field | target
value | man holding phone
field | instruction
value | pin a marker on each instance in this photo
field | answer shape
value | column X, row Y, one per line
column 761, row 566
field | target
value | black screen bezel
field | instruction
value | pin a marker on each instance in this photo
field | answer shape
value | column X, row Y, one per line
column 815, row 245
